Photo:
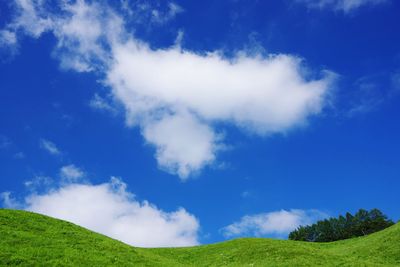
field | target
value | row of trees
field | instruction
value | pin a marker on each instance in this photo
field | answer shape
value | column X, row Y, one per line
column 362, row 223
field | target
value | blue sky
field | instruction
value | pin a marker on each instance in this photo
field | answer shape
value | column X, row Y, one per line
column 188, row 122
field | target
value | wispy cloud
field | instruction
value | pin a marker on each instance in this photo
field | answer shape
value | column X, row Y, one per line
column 368, row 93
column 7, row 38
column 395, row 80
column 49, row 146
column 100, row 103
column 8, row 201
column 19, row 155
column 39, row 183
column 172, row 11
column 345, row 6
column 246, row 194
column 151, row 13
column 5, row 142
column 71, row 173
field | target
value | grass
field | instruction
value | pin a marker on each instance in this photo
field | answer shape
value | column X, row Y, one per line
column 30, row 239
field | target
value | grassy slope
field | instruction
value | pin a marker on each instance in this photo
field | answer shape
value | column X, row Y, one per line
column 32, row 239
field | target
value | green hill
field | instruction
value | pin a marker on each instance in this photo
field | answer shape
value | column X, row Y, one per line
column 32, row 239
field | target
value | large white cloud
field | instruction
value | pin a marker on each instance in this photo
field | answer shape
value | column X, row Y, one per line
column 176, row 96
column 110, row 209
column 276, row 223
column 267, row 94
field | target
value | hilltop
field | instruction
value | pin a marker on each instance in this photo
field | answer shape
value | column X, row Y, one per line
column 32, row 239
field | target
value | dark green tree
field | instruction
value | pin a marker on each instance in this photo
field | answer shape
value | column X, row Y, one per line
column 362, row 223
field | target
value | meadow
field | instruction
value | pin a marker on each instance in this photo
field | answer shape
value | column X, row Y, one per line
column 29, row 239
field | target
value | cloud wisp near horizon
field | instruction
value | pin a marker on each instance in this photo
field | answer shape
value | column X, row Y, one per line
column 176, row 96
column 275, row 223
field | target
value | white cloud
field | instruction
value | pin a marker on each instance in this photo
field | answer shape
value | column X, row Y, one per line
column 71, row 173
column 277, row 223
column 49, row 147
column 261, row 95
column 184, row 144
column 80, row 35
column 111, row 210
column 265, row 95
column 340, row 5
column 194, row 91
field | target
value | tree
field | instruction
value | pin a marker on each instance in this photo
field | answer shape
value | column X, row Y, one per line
column 362, row 223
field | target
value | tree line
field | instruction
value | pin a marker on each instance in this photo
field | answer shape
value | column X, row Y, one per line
column 362, row 223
